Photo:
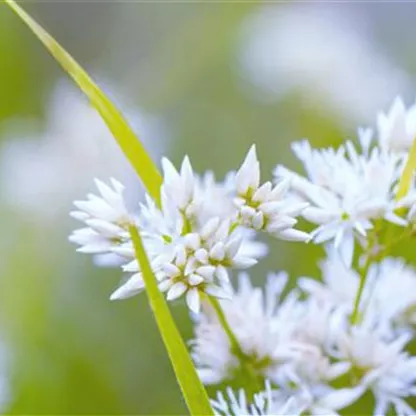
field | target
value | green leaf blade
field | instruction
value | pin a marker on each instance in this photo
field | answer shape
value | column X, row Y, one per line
column 124, row 135
column 192, row 389
column 406, row 179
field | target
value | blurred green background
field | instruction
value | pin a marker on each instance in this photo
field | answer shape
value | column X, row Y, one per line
column 216, row 78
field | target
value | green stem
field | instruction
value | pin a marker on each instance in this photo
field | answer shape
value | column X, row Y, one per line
column 363, row 271
column 363, row 278
column 235, row 345
column 192, row 389
column 249, row 372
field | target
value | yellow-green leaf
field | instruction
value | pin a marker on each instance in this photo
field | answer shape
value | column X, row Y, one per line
column 192, row 389
column 406, row 179
column 128, row 141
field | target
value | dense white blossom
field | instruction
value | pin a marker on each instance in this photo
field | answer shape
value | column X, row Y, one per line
column 347, row 190
column 390, row 291
column 201, row 230
column 317, row 347
column 263, row 404
column 381, row 365
column 397, row 129
column 264, row 206
column 262, row 323
column 106, row 218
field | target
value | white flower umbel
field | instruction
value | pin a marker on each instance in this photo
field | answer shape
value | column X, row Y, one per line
column 261, row 323
column 106, row 218
column 200, row 263
column 339, row 284
column 266, row 207
column 397, row 128
column 347, row 190
column 189, row 250
column 393, row 293
column 381, row 365
column 262, row 404
column 389, row 293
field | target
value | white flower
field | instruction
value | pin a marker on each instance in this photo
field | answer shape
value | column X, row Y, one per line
column 202, row 262
column 106, row 218
column 261, row 323
column 208, row 189
column 193, row 264
column 389, row 295
column 339, row 284
column 321, row 400
column 190, row 249
column 264, row 207
column 280, row 402
column 380, row 365
column 314, row 337
column 180, row 187
column 347, row 190
column 393, row 294
column 397, row 129
column 263, row 404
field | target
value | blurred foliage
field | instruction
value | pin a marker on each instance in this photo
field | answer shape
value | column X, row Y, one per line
column 73, row 351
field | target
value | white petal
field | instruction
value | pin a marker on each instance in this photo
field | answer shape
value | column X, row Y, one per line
column 293, row 235
column 193, row 300
column 177, row 290
column 192, row 241
column 195, row 279
column 248, row 176
column 132, row 287
column 209, row 228
column 206, row 271
column 258, row 220
column 243, row 262
column 218, row 251
column 318, row 215
column 222, row 275
column 201, row 255
column 171, row 270
column 232, row 247
column 218, row 292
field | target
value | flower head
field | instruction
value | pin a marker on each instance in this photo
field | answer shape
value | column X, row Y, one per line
column 106, row 219
column 397, row 128
column 347, row 190
column 264, row 206
column 262, row 324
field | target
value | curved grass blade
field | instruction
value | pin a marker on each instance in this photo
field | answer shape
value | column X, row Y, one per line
column 192, row 389
column 128, row 141
column 406, row 179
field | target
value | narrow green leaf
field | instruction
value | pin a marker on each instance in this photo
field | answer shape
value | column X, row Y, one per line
column 406, row 179
column 128, row 141
column 192, row 389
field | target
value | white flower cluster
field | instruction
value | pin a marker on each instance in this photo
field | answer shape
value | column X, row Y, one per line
column 306, row 349
column 349, row 190
column 322, row 346
column 202, row 230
